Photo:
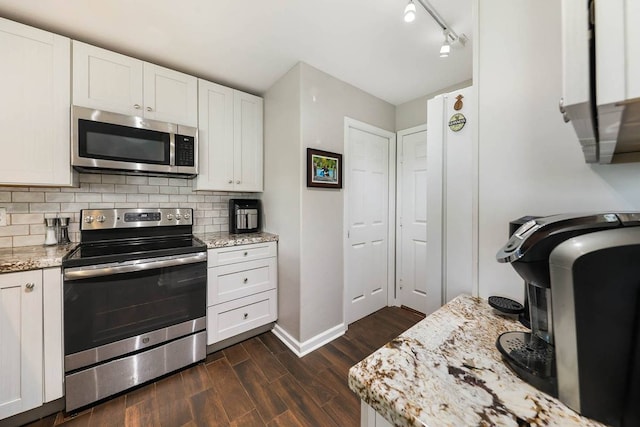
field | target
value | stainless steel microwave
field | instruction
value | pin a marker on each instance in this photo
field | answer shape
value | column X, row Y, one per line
column 116, row 143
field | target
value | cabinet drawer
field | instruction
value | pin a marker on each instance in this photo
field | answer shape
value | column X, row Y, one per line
column 229, row 282
column 234, row 254
column 235, row 317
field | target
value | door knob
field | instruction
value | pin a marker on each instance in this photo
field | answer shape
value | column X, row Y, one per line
column 30, row 286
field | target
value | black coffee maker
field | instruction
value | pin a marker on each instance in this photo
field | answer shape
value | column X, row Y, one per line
column 582, row 277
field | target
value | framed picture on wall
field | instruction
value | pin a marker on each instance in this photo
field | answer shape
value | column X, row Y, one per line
column 324, row 169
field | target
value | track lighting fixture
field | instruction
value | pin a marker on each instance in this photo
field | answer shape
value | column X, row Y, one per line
column 450, row 36
column 410, row 12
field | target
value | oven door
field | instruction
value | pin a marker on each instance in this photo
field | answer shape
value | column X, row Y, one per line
column 118, row 308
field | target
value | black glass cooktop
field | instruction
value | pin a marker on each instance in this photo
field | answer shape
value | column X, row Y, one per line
column 128, row 249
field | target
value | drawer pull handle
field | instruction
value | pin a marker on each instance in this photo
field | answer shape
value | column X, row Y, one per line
column 29, row 286
column 246, row 315
column 246, row 253
column 245, row 280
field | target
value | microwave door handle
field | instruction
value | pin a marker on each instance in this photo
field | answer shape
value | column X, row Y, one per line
column 78, row 273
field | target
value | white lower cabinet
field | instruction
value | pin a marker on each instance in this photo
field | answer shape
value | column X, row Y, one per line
column 369, row 417
column 242, row 289
column 30, row 340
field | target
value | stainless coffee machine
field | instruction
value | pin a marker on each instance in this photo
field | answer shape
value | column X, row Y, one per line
column 582, row 275
column 244, row 215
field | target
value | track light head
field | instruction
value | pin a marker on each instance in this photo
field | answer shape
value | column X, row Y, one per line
column 410, row 12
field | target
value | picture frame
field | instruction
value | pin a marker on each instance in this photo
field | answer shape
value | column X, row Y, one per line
column 324, row 169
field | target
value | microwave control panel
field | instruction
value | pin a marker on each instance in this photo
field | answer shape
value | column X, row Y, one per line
column 185, row 150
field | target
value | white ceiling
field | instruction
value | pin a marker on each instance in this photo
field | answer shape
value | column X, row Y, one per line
column 250, row 44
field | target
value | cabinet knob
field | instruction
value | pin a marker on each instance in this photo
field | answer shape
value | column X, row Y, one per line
column 246, row 315
column 245, row 280
column 136, row 106
column 149, row 109
column 29, row 286
column 230, row 181
column 238, row 182
column 565, row 118
column 246, row 253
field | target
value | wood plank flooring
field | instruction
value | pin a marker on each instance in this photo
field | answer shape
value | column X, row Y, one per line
column 258, row 382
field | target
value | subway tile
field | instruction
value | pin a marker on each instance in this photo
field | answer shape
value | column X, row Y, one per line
column 224, row 228
column 73, row 207
column 88, row 197
column 36, row 229
column 101, row 205
column 212, row 199
column 212, row 229
column 197, row 229
column 12, row 189
column 221, row 206
column 25, row 196
column 221, row 220
column 90, row 178
column 102, row 188
column 186, row 190
column 178, row 198
column 169, row 190
column 126, row 188
column 114, row 179
column 185, row 205
column 128, row 205
column 214, row 213
column 14, row 230
column 27, row 218
column 5, row 196
column 149, row 205
column 159, row 198
column 178, row 182
column 138, row 198
column 45, row 189
column 6, row 242
column 149, row 189
column 137, row 180
column 195, row 198
column 204, row 221
column 158, row 181
column 114, row 197
column 203, row 206
column 15, row 207
column 44, row 207
column 60, row 197
column 36, row 239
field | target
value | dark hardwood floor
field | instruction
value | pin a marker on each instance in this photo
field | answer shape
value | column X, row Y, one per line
column 258, row 382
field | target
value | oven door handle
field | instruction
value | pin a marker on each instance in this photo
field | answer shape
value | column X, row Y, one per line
column 78, row 273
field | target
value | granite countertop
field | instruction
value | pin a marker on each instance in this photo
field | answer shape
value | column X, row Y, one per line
column 32, row 257
column 224, row 239
column 37, row 257
column 446, row 370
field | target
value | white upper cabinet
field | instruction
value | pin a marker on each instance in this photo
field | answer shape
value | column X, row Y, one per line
column 21, row 342
column 34, row 106
column 230, row 138
column 109, row 81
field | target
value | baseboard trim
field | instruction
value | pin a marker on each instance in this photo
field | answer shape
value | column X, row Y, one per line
column 301, row 349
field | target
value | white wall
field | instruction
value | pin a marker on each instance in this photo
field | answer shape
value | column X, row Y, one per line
column 306, row 108
column 414, row 112
column 529, row 160
column 325, row 101
column 281, row 196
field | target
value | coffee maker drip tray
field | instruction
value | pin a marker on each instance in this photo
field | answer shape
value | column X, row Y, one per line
column 531, row 358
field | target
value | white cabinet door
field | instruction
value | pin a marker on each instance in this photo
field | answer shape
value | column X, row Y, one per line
column 106, row 80
column 52, row 334
column 230, row 138
column 248, row 145
column 170, row 96
column 109, row 81
column 20, row 342
column 215, row 138
column 34, row 106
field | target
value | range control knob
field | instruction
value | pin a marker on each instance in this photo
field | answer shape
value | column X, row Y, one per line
column 88, row 219
column 187, row 216
column 178, row 216
column 101, row 218
column 169, row 217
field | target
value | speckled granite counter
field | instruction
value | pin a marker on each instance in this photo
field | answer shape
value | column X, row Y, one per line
column 221, row 240
column 446, row 371
column 32, row 257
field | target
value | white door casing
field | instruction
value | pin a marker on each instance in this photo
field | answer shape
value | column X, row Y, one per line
column 411, row 229
column 369, row 218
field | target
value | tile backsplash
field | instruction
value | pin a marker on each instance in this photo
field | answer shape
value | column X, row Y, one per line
column 28, row 206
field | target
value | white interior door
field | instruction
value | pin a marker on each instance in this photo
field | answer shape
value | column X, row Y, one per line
column 369, row 239
column 411, row 249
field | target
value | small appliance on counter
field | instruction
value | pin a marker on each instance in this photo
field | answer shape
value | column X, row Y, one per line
column 583, row 285
column 244, row 216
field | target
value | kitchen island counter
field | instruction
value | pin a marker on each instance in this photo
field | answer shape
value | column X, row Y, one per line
column 32, row 257
column 224, row 239
column 446, row 370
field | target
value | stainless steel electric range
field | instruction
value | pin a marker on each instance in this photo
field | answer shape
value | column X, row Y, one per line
column 134, row 301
